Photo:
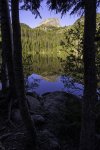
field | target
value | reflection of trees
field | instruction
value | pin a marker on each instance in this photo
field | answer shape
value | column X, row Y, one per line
column 32, row 85
column 42, row 63
column 28, row 61
column 67, row 81
column 70, row 85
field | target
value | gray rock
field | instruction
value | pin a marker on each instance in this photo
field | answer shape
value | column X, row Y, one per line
column 34, row 107
column 50, row 22
column 33, row 94
column 38, row 119
column 55, row 101
column 48, row 141
column 62, row 113
column 34, row 104
column 1, row 146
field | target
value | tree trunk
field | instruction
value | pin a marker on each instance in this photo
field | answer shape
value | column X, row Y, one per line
column 7, row 44
column 4, row 76
column 4, row 64
column 87, row 138
column 19, row 77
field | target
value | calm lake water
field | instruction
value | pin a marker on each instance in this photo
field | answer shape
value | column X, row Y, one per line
column 45, row 72
column 44, row 63
column 41, row 85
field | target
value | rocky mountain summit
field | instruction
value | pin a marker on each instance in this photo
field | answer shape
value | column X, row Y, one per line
column 54, row 22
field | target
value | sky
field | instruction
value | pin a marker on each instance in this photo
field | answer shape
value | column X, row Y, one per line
column 28, row 18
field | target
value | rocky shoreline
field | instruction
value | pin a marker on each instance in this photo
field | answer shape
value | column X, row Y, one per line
column 57, row 117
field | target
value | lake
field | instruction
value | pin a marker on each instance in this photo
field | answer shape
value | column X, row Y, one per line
column 49, row 72
column 44, row 63
column 45, row 72
column 41, row 85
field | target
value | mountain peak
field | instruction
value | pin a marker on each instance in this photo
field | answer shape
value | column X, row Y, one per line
column 54, row 22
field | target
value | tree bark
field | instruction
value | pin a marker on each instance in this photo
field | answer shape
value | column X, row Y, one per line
column 7, row 45
column 19, row 77
column 4, row 76
column 87, row 138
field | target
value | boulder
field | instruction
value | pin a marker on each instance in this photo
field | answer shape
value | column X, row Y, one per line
column 63, row 114
column 33, row 94
column 1, row 146
column 47, row 141
column 38, row 119
column 16, row 118
column 34, row 108
column 55, row 101
column 34, row 104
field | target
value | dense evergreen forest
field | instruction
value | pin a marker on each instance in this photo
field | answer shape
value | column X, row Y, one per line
column 40, row 39
column 56, row 40
column 48, row 39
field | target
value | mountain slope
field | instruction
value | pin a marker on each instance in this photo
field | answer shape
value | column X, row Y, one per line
column 47, row 38
column 54, row 22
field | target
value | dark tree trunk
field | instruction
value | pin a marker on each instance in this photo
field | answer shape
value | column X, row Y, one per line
column 87, row 139
column 7, row 44
column 4, row 64
column 19, row 77
column 4, row 76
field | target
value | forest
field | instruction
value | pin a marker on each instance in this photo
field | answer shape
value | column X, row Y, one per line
column 55, row 40
column 55, row 120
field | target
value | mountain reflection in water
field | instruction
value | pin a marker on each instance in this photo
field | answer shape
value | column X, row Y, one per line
column 41, row 85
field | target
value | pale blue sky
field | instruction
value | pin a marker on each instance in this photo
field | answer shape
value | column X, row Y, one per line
column 28, row 18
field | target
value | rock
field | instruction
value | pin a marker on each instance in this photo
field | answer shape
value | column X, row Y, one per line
column 62, row 113
column 34, row 107
column 47, row 141
column 38, row 119
column 34, row 104
column 1, row 146
column 33, row 94
column 54, row 100
column 50, row 22
column 58, row 101
column 61, row 118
